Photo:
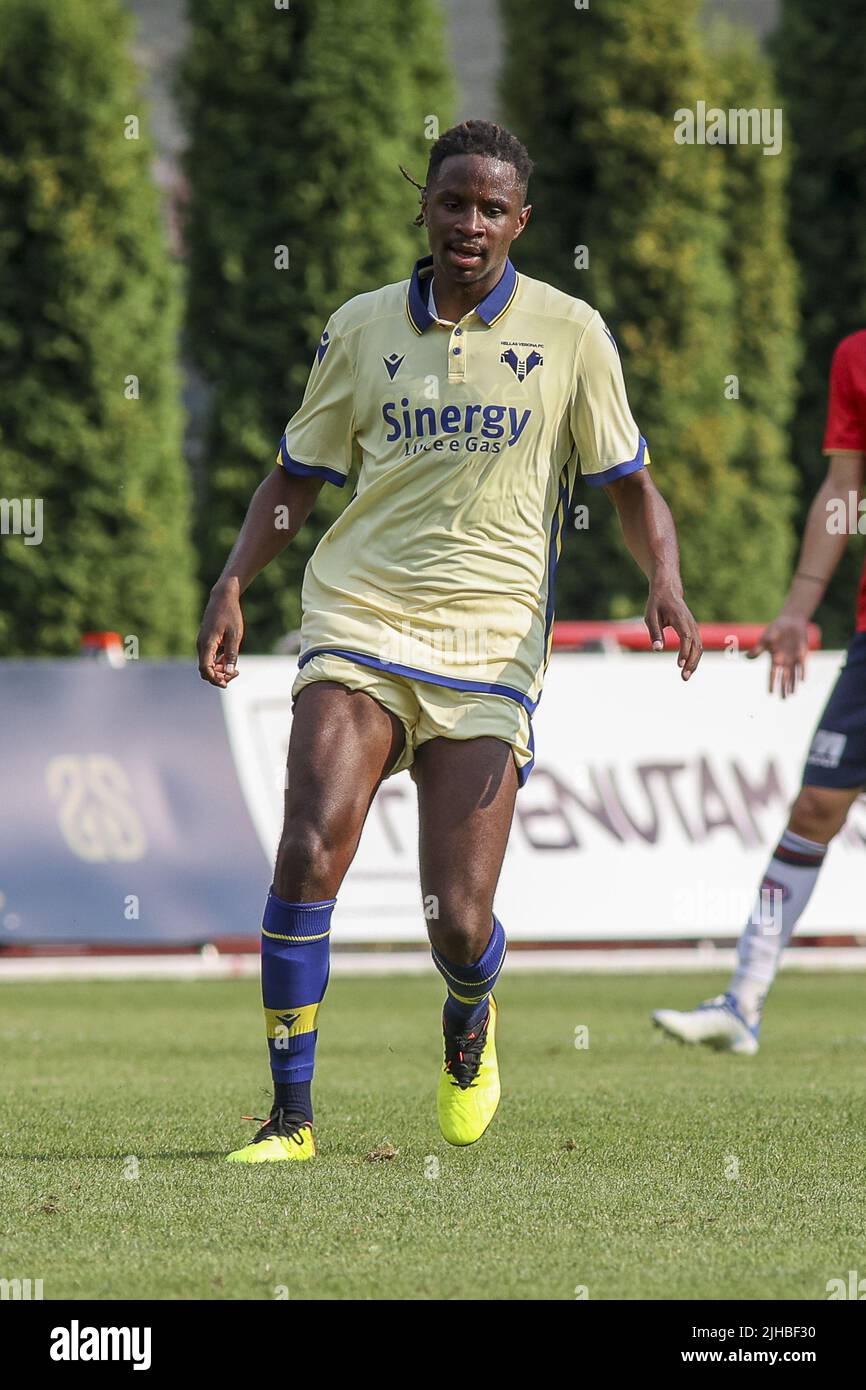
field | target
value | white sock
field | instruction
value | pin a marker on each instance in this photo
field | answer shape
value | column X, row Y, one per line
column 787, row 887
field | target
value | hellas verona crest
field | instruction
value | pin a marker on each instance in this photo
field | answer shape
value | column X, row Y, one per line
column 522, row 358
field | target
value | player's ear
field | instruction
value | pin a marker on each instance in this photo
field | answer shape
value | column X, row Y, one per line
column 523, row 218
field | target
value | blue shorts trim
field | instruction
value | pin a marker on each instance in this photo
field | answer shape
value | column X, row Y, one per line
column 430, row 678
column 523, row 772
column 837, row 756
column 413, row 673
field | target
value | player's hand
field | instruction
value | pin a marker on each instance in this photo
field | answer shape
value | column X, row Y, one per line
column 220, row 636
column 787, row 641
column 666, row 607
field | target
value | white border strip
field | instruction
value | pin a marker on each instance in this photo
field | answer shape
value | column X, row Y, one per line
column 585, row 962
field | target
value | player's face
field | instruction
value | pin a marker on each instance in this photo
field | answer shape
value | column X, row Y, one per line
column 473, row 210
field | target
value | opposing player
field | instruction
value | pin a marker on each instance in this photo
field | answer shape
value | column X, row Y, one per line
column 473, row 394
column 835, row 771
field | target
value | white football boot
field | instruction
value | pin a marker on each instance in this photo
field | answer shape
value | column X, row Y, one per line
column 717, row 1022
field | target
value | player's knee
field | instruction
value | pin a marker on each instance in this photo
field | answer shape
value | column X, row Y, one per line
column 305, row 856
column 462, row 923
column 818, row 814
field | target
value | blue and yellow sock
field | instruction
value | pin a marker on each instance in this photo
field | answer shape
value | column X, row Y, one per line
column 470, row 986
column 295, row 968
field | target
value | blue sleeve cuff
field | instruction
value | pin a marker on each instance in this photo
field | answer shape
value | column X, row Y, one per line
column 309, row 470
column 618, row 470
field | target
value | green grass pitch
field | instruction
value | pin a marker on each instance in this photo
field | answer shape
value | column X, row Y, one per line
column 632, row 1168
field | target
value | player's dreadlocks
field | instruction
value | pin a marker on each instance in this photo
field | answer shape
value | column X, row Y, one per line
column 476, row 137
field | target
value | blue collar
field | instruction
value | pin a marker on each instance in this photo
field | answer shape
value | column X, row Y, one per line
column 491, row 308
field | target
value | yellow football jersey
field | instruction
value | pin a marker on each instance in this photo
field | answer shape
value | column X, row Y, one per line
column 471, row 436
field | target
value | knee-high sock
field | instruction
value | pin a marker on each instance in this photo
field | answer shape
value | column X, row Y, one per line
column 295, row 967
column 469, row 986
column 787, row 887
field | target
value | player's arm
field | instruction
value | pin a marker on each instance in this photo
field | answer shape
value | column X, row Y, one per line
column 650, row 534
column 613, row 455
column 786, row 638
column 316, row 447
column 278, row 509
column 845, row 445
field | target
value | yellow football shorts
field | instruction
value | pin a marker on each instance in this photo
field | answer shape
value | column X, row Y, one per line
column 429, row 711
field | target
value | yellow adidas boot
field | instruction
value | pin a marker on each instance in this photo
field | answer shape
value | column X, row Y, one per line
column 282, row 1137
column 469, row 1083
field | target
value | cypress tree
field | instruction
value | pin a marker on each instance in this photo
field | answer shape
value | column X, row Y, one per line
column 594, row 94
column 90, row 420
column 766, row 346
column 299, row 120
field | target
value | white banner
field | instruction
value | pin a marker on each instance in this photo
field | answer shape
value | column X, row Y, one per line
column 651, row 812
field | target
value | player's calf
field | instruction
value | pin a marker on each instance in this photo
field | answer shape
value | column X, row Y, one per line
column 295, row 968
column 469, row 1089
column 733, row 1020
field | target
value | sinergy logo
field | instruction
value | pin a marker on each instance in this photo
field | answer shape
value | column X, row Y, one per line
column 77, row 1343
column 496, row 426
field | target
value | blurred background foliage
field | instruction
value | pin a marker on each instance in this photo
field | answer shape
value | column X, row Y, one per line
column 819, row 53
column 708, row 263
column 89, row 298
column 296, row 143
column 664, row 225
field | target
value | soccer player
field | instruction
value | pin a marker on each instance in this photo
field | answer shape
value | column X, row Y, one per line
column 835, row 771
column 473, row 394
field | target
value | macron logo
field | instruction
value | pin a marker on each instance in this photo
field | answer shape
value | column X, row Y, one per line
column 393, row 364
column 76, row 1343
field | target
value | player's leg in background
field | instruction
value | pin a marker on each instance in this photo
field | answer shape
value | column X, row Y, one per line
column 466, row 794
column 835, row 775
column 732, row 1021
column 816, row 818
column 342, row 744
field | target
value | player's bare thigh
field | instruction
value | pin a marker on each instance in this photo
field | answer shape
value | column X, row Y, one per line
column 466, row 794
column 342, row 744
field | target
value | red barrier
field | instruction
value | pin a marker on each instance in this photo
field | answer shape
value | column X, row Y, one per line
column 631, row 635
